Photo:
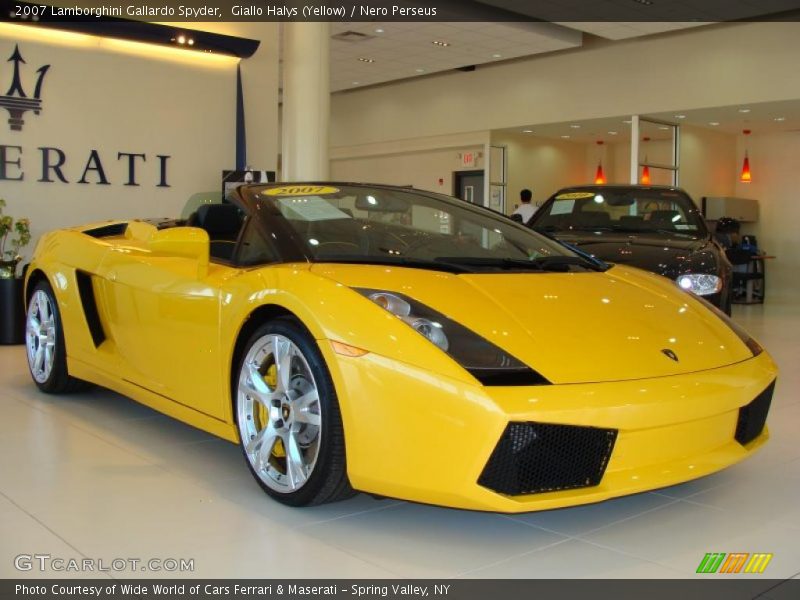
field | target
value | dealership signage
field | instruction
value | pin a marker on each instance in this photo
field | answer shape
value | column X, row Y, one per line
column 50, row 163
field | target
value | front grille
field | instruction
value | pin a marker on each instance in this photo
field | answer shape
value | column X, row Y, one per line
column 753, row 416
column 532, row 458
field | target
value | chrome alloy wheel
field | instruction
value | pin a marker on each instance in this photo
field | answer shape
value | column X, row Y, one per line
column 279, row 413
column 40, row 336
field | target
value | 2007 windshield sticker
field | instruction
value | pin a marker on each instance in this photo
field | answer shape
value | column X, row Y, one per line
column 300, row 190
column 575, row 195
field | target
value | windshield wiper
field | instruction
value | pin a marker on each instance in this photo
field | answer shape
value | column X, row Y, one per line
column 628, row 229
column 489, row 262
column 542, row 263
column 562, row 263
column 589, row 228
column 397, row 261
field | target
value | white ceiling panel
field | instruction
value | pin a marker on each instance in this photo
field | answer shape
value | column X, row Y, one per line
column 402, row 50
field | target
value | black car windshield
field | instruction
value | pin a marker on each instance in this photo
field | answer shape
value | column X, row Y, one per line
column 383, row 225
column 635, row 210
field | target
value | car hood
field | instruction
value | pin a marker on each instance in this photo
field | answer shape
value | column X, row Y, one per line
column 664, row 254
column 570, row 327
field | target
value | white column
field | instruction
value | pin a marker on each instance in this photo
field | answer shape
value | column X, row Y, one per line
column 635, row 149
column 306, row 101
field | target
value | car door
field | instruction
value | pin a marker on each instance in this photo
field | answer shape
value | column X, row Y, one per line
column 164, row 318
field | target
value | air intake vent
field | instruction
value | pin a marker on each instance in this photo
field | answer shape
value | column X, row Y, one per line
column 532, row 458
column 89, row 304
column 352, row 36
column 753, row 416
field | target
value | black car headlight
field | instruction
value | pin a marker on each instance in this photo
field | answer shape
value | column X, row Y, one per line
column 701, row 284
column 486, row 362
column 752, row 344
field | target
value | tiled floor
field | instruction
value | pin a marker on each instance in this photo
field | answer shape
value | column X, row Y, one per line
column 98, row 476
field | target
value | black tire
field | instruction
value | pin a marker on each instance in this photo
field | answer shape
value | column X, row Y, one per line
column 328, row 480
column 58, row 381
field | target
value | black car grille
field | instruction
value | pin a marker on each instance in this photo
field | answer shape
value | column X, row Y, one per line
column 753, row 416
column 531, row 458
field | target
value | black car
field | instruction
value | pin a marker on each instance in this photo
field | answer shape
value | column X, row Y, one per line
column 651, row 227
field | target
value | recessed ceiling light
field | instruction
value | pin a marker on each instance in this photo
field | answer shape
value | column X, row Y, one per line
column 420, row 70
column 527, row 131
column 612, row 133
column 713, row 123
column 366, row 60
column 497, row 56
column 440, row 43
column 379, row 30
column 664, row 128
column 780, row 118
column 575, row 126
column 680, row 116
column 566, row 137
column 356, row 82
column 627, row 121
column 181, row 39
column 744, row 110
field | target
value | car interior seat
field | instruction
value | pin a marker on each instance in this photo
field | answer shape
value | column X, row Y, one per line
column 665, row 216
column 631, row 220
column 222, row 222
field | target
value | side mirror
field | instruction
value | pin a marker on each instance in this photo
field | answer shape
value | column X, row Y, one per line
column 185, row 242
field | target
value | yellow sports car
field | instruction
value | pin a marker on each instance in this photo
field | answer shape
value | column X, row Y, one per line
column 402, row 343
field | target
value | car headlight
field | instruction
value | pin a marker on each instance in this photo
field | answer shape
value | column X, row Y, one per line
column 486, row 362
column 701, row 284
column 752, row 344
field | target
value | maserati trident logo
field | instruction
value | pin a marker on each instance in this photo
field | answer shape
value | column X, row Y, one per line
column 669, row 354
column 16, row 101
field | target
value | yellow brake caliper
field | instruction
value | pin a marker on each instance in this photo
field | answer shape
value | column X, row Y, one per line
column 271, row 379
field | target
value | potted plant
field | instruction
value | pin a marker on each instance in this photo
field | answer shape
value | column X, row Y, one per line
column 14, row 235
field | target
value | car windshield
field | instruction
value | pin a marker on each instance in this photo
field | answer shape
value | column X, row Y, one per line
column 636, row 210
column 382, row 225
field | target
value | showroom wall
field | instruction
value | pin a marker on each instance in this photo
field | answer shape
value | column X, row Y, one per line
column 125, row 129
column 426, row 163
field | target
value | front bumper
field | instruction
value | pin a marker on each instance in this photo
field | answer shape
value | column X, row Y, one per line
column 415, row 435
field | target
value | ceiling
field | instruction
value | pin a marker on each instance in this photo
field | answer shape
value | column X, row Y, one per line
column 370, row 53
column 365, row 54
column 643, row 10
column 378, row 52
column 759, row 118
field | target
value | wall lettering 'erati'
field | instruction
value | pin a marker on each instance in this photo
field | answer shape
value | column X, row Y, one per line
column 53, row 166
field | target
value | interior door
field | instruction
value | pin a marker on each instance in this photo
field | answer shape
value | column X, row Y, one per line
column 164, row 318
column 469, row 186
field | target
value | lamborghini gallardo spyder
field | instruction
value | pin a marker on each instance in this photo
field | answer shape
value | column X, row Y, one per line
column 402, row 343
